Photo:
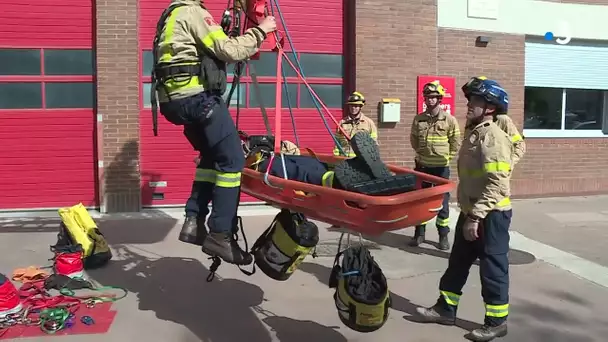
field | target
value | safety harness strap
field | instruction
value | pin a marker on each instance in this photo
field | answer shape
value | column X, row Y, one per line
column 171, row 71
column 159, row 29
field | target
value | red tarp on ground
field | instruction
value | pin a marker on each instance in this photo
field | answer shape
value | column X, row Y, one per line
column 101, row 314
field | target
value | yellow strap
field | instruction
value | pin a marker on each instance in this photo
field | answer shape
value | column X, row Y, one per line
column 497, row 310
column 450, row 297
column 221, row 179
column 328, row 179
column 169, row 31
column 442, row 222
column 214, row 36
column 491, row 167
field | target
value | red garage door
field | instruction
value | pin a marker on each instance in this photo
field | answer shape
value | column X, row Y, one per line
column 316, row 30
column 46, row 104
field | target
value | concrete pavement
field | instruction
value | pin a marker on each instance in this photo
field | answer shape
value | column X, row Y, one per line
column 558, row 291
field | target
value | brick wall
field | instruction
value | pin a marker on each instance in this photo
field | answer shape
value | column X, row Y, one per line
column 398, row 41
column 118, row 104
column 395, row 42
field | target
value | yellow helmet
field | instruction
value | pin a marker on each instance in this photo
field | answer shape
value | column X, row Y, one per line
column 433, row 89
column 356, row 98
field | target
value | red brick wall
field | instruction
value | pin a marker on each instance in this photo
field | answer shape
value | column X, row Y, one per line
column 118, row 103
column 395, row 42
column 398, row 41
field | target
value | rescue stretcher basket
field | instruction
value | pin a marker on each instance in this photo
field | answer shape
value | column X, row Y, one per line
column 371, row 215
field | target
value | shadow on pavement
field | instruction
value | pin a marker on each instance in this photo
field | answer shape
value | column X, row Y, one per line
column 223, row 310
column 400, row 303
column 400, row 241
column 151, row 226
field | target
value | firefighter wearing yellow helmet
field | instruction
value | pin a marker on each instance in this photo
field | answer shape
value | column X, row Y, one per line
column 503, row 120
column 353, row 123
column 435, row 138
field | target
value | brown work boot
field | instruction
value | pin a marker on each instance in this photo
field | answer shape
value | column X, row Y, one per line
column 224, row 246
column 444, row 242
column 436, row 314
column 366, row 148
column 193, row 231
column 487, row 333
column 418, row 238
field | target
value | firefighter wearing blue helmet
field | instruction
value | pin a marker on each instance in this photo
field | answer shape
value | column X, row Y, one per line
column 482, row 230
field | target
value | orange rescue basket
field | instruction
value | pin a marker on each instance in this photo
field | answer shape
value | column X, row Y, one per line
column 371, row 215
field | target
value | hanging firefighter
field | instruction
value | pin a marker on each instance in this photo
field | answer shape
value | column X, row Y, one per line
column 435, row 138
column 354, row 122
column 189, row 76
column 482, row 230
column 502, row 119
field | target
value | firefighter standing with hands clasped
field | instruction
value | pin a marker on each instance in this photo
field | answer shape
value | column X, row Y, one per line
column 482, row 230
column 435, row 137
column 189, row 76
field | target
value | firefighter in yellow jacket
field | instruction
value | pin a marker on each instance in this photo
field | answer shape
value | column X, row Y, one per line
column 503, row 120
column 189, row 77
column 482, row 230
column 355, row 122
column 435, row 137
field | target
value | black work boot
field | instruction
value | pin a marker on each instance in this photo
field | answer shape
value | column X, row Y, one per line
column 487, row 333
column 436, row 314
column 193, row 231
column 366, row 148
column 224, row 246
column 418, row 238
column 444, row 242
column 351, row 171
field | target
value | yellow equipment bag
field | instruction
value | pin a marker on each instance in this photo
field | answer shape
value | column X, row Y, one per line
column 78, row 228
column 285, row 244
column 362, row 296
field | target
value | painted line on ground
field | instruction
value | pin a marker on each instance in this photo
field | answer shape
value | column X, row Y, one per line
column 578, row 266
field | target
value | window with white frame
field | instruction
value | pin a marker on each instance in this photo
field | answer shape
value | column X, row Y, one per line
column 555, row 112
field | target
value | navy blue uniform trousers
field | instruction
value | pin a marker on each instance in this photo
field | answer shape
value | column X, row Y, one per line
column 210, row 129
column 492, row 249
column 298, row 168
column 443, row 217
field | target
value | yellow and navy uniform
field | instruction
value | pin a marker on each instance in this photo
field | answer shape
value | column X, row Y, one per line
column 352, row 127
column 508, row 126
column 188, row 40
column 191, row 30
column 484, row 171
column 435, row 139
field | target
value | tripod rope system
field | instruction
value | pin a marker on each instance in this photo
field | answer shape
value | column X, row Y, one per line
column 362, row 213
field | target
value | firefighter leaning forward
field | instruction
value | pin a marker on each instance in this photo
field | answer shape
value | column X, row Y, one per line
column 435, row 137
column 354, row 122
column 503, row 120
column 482, row 230
column 190, row 55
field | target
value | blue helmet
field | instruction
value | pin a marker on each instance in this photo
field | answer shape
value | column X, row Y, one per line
column 489, row 90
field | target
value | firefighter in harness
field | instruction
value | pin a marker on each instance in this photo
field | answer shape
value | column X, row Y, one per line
column 189, row 76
